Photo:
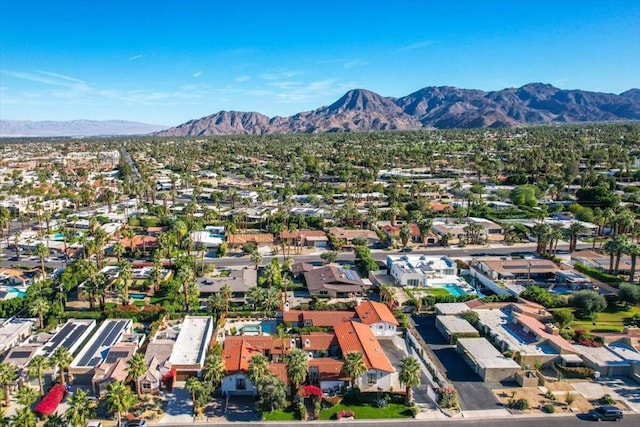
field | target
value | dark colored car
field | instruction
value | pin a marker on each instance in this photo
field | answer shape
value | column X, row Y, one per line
column 135, row 423
column 605, row 413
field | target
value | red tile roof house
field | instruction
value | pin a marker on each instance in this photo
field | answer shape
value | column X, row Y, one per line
column 358, row 337
column 323, row 319
column 378, row 317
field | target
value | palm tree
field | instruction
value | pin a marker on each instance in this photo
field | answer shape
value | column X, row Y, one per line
column 258, row 368
column 39, row 307
column 353, row 366
column 125, row 275
column 118, row 250
column 195, row 387
column 615, row 247
column 409, row 375
column 24, row 417
column 405, row 234
column 118, row 399
column 573, row 231
column 214, row 370
column 61, row 358
column 55, row 420
column 185, row 275
column 80, row 408
column 36, row 368
column 42, row 251
column 256, row 258
column 297, row 363
column 8, row 374
column 225, row 294
column 136, row 367
column 26, row 396
column 633, row 250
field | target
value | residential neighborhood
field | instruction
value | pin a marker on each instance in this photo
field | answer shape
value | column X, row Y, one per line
column 153, row 279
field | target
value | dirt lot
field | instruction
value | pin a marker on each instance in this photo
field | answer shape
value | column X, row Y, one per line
column 537, row 399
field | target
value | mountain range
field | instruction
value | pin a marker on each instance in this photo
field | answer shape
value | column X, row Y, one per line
column 432, row 107
column 49, row 128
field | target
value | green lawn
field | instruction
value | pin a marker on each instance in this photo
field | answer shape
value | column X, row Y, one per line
column 611, row 320
column 287, row 414
column 366, row 411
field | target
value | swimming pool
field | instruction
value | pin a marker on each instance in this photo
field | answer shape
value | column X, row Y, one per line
column 60, row 236
column 454, row 289
column 16, row 291
column 137, row 296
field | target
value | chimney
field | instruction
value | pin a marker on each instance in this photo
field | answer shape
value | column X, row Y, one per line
column 551, row 329
column 286, row 306
column 358, row 302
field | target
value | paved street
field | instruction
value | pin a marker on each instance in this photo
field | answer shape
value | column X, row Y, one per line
column 477, row 419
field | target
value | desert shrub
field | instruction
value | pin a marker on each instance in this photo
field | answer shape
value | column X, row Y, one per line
column 549, row 408
column 345, row 414
column 607, row 400
column 519, row 405
column 575, row 373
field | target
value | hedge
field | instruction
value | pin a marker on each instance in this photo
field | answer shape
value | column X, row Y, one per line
column 611, row 279
column 575, row 373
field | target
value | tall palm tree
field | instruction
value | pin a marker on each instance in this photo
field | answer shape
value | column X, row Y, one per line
column 185, row 275
column 39, row 307
column 225, row 294
column 61, row 358
column 258, row 368
column 42, row 251
column 195, row 387
column 573, row 231
column 125, row 274
column 8, row 374
column 118, row 250
column 353, row 366
column 409, row 375
column 36, row 368
column 80, row 408
column 136, row 367
column 118, row 399
column 256, row 258
column 55, row 420
column 214, row 370
column 297, row 363
column 633, row 250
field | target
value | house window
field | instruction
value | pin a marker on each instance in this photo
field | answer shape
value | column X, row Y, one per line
column 146, row 386
column 381, row 326
column 413, row 282
column 241, row 383
column 308, row 322
column 372, row 378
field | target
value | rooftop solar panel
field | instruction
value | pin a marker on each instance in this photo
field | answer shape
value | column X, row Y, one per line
column 20, row 354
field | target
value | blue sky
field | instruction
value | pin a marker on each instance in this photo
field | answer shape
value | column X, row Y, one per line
column 169, row 61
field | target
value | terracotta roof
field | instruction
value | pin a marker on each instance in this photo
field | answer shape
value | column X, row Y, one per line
column 371, row 312
column 260, row 342
column 301, row 267
column 241, row 239
column 475, row 303
column 318, row 341
column 318, row 318
column 139, row 241
column 437, row 206
column 328, row 369
column 236, row 356
column 355, row 336
column 395, row 229
column 280, row 371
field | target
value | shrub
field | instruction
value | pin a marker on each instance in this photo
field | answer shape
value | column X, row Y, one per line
column 569, row 398
column 549, row 395
column 575, row 373
column 345, row 414
column 549, row 408
column 607, row 400
column 519, row 405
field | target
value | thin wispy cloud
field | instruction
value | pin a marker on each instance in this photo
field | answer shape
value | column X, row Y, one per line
column 46, row 77
column 134, row 57
column 241, row 79
column 355, row 63
column 280, row 75
column 417, row 45
column 197, row 74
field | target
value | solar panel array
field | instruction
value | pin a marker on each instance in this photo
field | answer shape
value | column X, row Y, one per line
column 20, row 354
column 106, row 338
column 66, row 337
column 113, row 356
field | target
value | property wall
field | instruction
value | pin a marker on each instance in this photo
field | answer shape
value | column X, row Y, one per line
column 326, row 385
column 488, row 283
column 495, row 374
column 384, row 380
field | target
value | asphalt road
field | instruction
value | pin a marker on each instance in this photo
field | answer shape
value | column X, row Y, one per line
column 630, row 420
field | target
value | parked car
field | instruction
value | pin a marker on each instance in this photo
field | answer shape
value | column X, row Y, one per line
column 134, row 423
column 94, row 424
column 605, row 413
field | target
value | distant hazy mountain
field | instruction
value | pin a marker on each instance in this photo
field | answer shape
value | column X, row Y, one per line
column 18, row 128
column 431, row 107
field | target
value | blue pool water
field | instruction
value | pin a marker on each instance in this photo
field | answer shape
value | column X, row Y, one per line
column 454, row 289
column 137, row 296
column 269, row 327
column 59, row 236
column 17, row 291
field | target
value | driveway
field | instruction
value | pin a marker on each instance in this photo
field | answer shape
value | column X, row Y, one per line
column 473, row 393
column 620, row 388
column 179, row 408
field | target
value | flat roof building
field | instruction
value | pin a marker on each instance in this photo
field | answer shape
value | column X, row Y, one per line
column 71, row 336
column 453, row 327
column 190, row 350
column 13, row 331
column 486, row 361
